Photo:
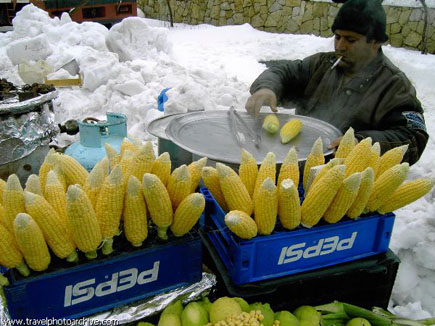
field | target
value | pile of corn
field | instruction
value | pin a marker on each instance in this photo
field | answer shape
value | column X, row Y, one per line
column 66, row 209
column 357, row 181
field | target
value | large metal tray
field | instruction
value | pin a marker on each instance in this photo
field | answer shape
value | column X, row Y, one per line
column 208, row 133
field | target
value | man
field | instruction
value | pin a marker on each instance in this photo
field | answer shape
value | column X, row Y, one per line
column 363, row 90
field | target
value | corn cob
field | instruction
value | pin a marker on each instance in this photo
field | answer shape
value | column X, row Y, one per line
column 105, row 165
column 290, row 130
column 271, row 123
column 407, row 193
column 248, row 171
column 73, row 171
column 359, row 158
column 267, row 170
column 158, row 203
column 195, row 169
column 364, row 192
column 13, row 200
column 125, row 163
column 344, row 199
column 162, row 167
column 33, row 185
column 241, row 224
column 112, row 154
column 10, row 255
column 375, row 157
column 135, row 213
column 50, row 161
column 187, row 214
column 142, row 161
column 83, row 222
column 109, row 208
column 31, row 242
column 391, row 158
column 321, row 195
column 347, row 143
column 289, row 168
column 2, row 217
column 56, row 196
column 60, row 176
column 211, row 181
column 386, row 184
column 289, row 207
column 179, row 184
column 94, row 182
column 328, row 166
column 2, row 188
column 126, row 145
column 314, row 172
column 266, row 207
column 235, row 193
column 314, row 158
column 52, row 226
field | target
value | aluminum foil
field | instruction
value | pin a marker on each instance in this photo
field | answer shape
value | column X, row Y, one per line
column 24, row 127
column 140, row 309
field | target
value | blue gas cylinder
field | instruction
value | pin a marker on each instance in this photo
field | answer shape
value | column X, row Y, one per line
column 93, row 135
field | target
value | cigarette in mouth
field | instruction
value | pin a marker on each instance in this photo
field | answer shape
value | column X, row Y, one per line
column 336, row 62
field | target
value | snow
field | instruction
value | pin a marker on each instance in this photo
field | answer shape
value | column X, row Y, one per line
column 125, row 68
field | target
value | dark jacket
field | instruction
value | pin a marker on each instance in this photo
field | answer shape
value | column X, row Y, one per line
column 379, row 102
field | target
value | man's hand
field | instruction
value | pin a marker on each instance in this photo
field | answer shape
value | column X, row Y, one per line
column 261, row 97
column 336, row 142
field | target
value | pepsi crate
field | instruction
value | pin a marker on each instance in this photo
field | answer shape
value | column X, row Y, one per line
column 290, row 252
column 107, row 282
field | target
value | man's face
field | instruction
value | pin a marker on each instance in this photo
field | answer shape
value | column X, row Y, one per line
column 354, row 49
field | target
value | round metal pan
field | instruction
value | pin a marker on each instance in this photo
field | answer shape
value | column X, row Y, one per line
column 209, row 134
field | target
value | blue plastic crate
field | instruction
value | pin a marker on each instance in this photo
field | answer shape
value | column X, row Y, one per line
column 103, row 284
column 290, row 252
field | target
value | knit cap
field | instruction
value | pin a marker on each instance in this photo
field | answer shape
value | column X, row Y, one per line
column 366, row 17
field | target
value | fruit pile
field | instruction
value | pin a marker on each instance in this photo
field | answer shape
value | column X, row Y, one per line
column 68, row 210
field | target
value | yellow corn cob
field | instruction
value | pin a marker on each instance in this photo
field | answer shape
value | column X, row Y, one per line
column 241, row 224
column 109, row 207
column 73, row 171
column 13, row 200
column 328, row 166
column 31, row 242
column 112, row 154
column 344, row 199
column 347, row 143
column 142, row 161
column 187, row 214
column 10, row 255
column 391, row 158
column 83, row 221
column 50, row 161
column 158, row 203
column 94, row 183
column 407, row 193
column 33, row 185
column 56, row 196
column 364, row 192
column 290, row 168
column 52, row 226
column 289, row 207
column 2, row 217
column 211, row 181
column 315, row 158
column 105, row 165
column 271, row 123
column 267, row 170
column 314, row 172
column 179, row 184
column 248, row 171
column 375, row 157
column 2, row 188
column 321, row 195
column 126, row 145
column 162, row 167
column 125, row 163
column 60, row 176
column 386, row 184
column 290, row 130
column 359, row 158
column 235, row 193
column 195, row 169
column 266, row 207
column 135, row 213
